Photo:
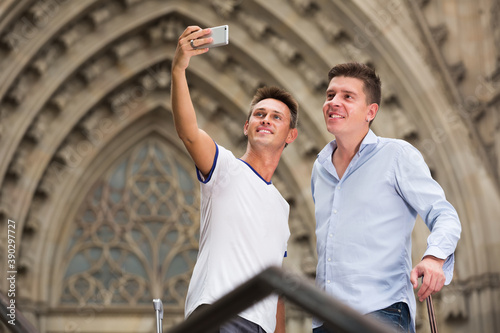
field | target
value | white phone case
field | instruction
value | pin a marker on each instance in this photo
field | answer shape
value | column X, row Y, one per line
column 220, row 35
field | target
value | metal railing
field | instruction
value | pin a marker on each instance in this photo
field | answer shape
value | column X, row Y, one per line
column 335, row 315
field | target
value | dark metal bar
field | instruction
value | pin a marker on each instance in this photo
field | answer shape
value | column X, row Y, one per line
column 22, row 325
column 336, row 315
column 432, row 315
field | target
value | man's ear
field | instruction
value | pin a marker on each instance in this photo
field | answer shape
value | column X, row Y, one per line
column 245, row 128
column 372, row 111
column 292, row 135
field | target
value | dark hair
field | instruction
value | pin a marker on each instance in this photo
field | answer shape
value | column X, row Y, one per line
column 371, row 82
column 280, row 95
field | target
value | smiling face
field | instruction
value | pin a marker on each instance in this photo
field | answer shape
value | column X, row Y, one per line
column 346, row 110
column 269, row 123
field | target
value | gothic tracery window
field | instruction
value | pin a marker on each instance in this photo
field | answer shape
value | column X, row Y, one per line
column 136, row 234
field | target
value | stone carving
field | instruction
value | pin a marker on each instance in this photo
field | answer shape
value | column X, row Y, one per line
column 219, row 58
column 308, row 265
column 248, row 81
column 17, row 165
column 285, row 51
column 91, row 71
column 316, row 80
column 128, row 47
column 167, row 29
column 458, row 71
column 72, row 87
column 487, row 125
column 354, row 53
column 127, row 99
column 206, row 103
column 70, row 37
column 46, row 185
column 18, row 92
column 454, row 301
column 304, row 6
column 122, row 100
column 130, row 3
column 172, row 29
column 439, row 33
column 102, row 15
column 306, row 145
column 256, row 27
column 422, row 3
column 32, row 225
column 38, row 128
column 20, row 34
column 298, row 229
column 43, row 11
column 495, row 26
column 404, row 128
column 225, row 8
column 46, row 59
column 26, row 262
column 234, row 128
column 91, row 122
column 157, row 77
column 5, row 210
column 332, row 31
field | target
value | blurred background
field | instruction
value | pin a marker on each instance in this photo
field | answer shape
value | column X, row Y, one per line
column 104, row 196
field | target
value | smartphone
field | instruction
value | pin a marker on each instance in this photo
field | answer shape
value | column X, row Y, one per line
column 220, row 37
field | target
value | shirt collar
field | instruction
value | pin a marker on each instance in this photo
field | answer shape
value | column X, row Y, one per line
column 370, row 139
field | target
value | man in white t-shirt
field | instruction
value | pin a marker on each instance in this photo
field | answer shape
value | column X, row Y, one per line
column 244, row 219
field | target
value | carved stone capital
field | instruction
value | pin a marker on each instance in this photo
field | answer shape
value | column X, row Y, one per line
column 316, row 80
column 439, row 33
column 248, row 81
column 255, row 26
column 304, row 6
column 286, row 51
column 225, row 8
column 18, row 164
column 332, row 31
column 458, row 71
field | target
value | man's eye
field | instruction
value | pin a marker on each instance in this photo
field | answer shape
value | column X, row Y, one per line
column 277, row 117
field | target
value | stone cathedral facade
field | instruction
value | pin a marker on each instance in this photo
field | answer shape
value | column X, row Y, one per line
column 104, row 196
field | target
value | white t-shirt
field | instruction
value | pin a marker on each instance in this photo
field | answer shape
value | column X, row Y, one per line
column 243, row 230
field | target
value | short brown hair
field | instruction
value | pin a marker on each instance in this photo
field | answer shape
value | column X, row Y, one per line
column 372, row 86
column 280, row 95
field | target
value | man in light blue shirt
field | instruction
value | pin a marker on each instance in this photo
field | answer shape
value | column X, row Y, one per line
column 368, row 191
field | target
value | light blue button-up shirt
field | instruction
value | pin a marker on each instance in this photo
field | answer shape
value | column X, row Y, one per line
column 365, row 219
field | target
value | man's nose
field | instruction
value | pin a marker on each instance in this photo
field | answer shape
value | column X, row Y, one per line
column 333, row 103
column 266, row 119
column 334, row 100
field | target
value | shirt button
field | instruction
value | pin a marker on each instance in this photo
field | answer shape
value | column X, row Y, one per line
column 334, row 211
column 330, row 235
column 327, row 281
column 329, row 259
column 338, row 187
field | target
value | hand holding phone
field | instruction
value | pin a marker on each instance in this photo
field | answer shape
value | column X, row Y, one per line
column 220, row 36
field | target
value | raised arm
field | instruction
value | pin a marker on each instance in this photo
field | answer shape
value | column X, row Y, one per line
column 199, row 144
